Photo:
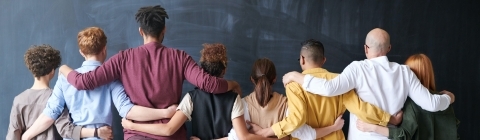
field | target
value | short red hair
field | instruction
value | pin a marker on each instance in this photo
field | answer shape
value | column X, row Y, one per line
column 91, row 40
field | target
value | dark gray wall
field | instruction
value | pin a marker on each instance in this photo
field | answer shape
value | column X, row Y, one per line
column 446, row 31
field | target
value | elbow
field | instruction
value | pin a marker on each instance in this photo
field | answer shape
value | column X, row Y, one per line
column 169, row 131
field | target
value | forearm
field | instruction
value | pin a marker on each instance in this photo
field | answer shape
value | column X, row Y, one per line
column 382, row 130
column 41, row 124
column 140, row 113
column 87, row 132
column 324, row 87
column 324, row 131
column 364, row 110
column 156, row 129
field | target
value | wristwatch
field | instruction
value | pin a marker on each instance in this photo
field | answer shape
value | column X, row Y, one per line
column 95, row 133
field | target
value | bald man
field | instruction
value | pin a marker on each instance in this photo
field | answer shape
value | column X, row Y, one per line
column 376, row 81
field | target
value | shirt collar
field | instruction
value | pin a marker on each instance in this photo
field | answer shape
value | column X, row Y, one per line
column 380, row 59
column 314, row 70
column 91, row 63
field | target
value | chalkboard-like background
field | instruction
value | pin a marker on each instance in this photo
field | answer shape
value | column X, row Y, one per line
column 447, row 32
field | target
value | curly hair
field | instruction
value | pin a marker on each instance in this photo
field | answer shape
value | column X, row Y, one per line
column 91, row 40
column 42, row 59
column 213, row 58
column 151, row 19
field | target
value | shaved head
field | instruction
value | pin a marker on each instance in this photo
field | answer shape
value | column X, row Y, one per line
column 378, row 41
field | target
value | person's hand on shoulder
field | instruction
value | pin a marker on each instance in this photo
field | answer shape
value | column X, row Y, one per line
column 293, row 76
column 452, row 97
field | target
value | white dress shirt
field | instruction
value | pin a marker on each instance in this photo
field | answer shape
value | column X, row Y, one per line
column 381, row 83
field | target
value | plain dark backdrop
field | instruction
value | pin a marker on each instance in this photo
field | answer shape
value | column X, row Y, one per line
column 447, row 31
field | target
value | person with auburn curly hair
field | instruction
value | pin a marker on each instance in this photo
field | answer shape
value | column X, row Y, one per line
column 42, row 61
column 419, row 124
column 97, row 119
column 212, row 115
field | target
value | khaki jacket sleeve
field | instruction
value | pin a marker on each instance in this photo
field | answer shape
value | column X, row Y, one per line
column 66, row 128
column 297, row 112
column 364, row 110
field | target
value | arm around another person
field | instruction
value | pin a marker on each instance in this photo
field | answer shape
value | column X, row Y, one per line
column 104, row 74
column 405, row 131
column 427, row 101
column 334, row 87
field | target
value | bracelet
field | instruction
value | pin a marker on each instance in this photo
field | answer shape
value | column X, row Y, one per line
column 95, row 134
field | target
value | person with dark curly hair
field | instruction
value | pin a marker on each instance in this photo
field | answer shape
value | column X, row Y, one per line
column 42, row 61
column 152, row 74
column 212, row 115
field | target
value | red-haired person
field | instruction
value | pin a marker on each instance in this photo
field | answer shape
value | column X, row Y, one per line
column 419, row 124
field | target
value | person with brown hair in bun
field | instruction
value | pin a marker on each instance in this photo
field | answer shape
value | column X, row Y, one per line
column 212, row 115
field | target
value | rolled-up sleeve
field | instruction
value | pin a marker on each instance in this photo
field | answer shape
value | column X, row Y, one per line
column 297, row 112
column 120, row 99
column 56, row 102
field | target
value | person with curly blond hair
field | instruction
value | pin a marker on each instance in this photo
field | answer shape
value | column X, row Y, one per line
column 212, row 115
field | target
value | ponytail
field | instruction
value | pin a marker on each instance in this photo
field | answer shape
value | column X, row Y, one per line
column 263, row 90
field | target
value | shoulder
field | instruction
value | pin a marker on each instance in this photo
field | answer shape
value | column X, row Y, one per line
column 280, row 97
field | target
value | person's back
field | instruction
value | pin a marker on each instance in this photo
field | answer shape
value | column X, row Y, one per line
column 80, row 102
column 211, row 116
column 376, row 81
column 386, row 77
column 272, row 112
column 152, row 74
column 263, row 106
column 28, row 105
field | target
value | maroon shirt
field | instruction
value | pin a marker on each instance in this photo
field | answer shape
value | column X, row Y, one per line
column 152, row 75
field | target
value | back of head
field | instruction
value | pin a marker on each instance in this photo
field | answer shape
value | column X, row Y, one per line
column 151, row 20
column 214, row 59
column 263, row 75
column 421, row 65
column 42, row 59
column 313, row 52
column 91, row 40
column 378, row 40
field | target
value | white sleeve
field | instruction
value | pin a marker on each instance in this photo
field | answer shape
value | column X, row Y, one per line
column 339, row 85
column 423, row 98
column 186, row 106
column 232, row 135
column 237, row 109
column 305, row 132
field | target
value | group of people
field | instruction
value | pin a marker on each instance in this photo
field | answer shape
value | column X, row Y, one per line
column 145, row 83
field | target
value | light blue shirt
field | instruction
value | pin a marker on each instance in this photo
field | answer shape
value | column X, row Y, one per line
column 89, row 108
